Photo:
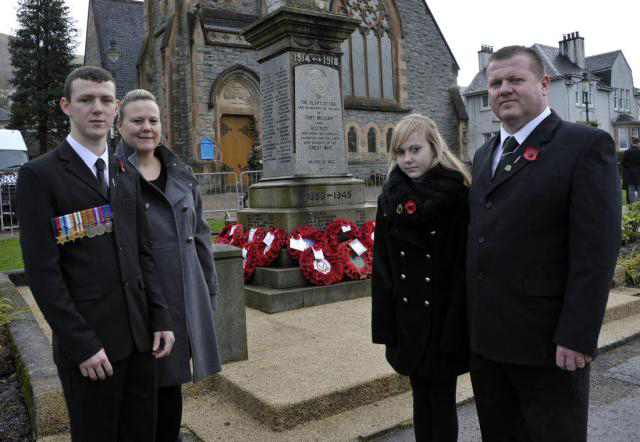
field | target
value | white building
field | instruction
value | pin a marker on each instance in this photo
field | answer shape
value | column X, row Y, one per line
column 613, row 102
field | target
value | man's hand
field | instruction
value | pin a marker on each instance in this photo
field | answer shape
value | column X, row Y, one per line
column 168, row 339
column 567, row 359
column 97, row 366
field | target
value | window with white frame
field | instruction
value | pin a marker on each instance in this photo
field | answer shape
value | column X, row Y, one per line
column 615, row 98
column 580, row 95
column 627, row 100
column 634, row 132
column 484, row 104
column 623, row 141
column 487, row 136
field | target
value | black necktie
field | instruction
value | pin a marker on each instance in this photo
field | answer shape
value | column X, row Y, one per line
column 509, row 146
column 100, row 175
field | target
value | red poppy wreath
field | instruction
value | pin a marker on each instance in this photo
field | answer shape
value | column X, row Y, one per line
column 338, row 231
column 300, row 239
column 269, row 248
column 253, row 235
column 249, row 260
column 367, row 233
column 231, row 234
column 356, row 259
column 320, row 267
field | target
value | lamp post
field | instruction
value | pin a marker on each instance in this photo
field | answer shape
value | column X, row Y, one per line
column 586, row 87
column 114, row 63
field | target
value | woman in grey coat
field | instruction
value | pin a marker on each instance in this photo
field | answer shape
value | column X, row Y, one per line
column 181, row 243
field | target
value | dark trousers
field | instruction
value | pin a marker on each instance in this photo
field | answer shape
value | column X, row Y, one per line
column 169, row 413
column 530, row 404
column 435, row 418
column 120, row 408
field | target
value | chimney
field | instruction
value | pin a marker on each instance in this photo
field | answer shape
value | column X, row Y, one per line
column 572, row 47
column 483, row 56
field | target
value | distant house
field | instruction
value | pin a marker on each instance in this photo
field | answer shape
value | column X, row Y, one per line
column 115, row 34
column 4, row 118
column 612, row 98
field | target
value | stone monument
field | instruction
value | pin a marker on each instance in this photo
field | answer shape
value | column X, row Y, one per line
column 305, row 175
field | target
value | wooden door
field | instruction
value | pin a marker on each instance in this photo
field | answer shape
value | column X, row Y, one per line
column 237, row 134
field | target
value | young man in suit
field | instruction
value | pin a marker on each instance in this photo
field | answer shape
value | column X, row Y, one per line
column 88, row 263
column 542, row 246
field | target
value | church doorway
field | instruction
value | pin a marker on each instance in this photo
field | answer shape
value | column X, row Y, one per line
column 237, row 137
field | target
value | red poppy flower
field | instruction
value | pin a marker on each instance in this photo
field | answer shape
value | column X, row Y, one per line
column 530, row 153
column 327, row 271
column 410, row 207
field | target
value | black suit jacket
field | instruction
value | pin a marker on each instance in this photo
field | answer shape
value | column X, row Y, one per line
column 94, row 292
column 631, row 166
column 542, row 245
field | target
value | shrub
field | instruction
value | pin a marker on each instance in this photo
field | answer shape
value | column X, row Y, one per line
column 631, row 223
column 631, row 266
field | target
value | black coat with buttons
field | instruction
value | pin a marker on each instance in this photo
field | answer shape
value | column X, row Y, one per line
column 183, row 255
column 418, row 282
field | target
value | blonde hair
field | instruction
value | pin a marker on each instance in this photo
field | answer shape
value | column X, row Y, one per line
column 134, row 95
column 426, row 129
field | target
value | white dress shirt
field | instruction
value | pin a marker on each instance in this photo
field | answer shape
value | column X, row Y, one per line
column 520, row 136
column 90, row 158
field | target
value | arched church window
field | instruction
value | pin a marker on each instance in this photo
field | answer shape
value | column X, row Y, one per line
column 371, row 140
column 352, row 140
column 389, row 136
column 368, row 66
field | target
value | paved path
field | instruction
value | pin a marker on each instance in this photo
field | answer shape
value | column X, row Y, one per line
column 614, row 410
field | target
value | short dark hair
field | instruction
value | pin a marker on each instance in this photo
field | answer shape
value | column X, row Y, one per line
column 537, row 65
column 89, row 73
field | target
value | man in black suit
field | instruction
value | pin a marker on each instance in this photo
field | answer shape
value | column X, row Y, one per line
column 542, row 246
column 88, row 263
column 631, row 171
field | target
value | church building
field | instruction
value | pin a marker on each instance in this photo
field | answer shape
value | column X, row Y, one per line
column 207, row 79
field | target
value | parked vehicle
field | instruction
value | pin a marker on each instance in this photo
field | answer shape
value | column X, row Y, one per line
column 13, row 154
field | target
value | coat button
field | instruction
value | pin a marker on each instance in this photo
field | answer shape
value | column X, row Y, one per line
column 428, row 256
column 488, row 205
column 481, row 240
column 146, row 206
column 402, row 254
column 190, row 239
column 403, row 276
column 480, row 275
column 427, row 280
column 405, row 301
column 185, row 207
column 426, row 303
column 432, row 233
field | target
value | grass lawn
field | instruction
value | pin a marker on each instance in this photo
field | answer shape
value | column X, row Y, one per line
column 215, row 225
column 10, row 255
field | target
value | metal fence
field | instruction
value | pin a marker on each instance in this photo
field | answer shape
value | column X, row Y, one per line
column 374, row 176
column 8, row 216
column 224, row 192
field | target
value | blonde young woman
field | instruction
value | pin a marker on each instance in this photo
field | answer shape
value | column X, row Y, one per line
column 418, row 286
column 182, row 252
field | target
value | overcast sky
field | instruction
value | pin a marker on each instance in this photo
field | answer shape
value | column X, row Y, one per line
column 605, row 26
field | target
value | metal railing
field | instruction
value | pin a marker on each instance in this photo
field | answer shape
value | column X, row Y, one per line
column 374, row 177
column 8, row 215
column 223, row 192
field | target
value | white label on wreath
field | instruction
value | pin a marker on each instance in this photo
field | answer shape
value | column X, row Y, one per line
column 233, row 229
column 251, row 233
column 357, row 261
column 346, row 228
column 297, row 244
column 357, row 247
column 322, row 265
column 317, row 254
column 372, row 233
column 268, row 239
column 244, row 253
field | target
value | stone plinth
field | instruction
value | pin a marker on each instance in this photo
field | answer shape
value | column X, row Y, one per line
column 230, row 319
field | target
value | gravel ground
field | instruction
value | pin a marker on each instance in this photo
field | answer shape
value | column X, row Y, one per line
column 14, row 419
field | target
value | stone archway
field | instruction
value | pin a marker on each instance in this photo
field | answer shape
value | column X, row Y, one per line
column 235, row 102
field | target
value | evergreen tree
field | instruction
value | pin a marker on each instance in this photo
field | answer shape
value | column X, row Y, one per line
column 42, row 57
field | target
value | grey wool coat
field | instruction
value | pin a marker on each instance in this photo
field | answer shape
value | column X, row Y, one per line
column 181, row 248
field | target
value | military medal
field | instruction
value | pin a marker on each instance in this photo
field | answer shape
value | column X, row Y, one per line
column 108, row 225
column 91, row 229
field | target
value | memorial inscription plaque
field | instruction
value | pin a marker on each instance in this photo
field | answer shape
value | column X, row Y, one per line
column 318, row 115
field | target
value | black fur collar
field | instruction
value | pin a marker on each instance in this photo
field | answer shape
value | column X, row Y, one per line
column 432, row 197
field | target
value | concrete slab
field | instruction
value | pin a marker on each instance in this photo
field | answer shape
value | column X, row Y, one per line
column 274, row 300
column 623, row 302
column 279, row 278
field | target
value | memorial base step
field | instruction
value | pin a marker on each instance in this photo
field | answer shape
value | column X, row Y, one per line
column 279, row 278
column 274, row 300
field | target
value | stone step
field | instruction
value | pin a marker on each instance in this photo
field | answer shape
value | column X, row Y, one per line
column 279, row 278
column 315, row 363
column 272, row 300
